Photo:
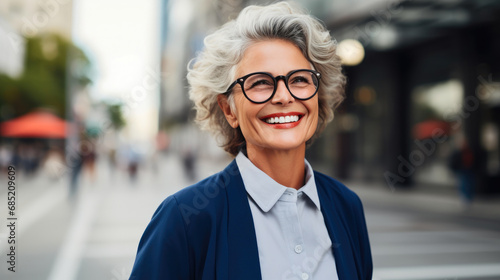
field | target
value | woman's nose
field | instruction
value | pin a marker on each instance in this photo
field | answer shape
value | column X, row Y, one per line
column 282, row 95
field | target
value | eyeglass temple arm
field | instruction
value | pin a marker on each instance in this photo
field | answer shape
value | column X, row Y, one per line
column 230, row 88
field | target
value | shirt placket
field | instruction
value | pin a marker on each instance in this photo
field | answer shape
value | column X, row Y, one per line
column 289, row 222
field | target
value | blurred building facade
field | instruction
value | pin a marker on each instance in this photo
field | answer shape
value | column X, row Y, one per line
column 185, row 24
column 428, row 82
column 12, row 47
column 48, row 24
column 36, row 47
column 30, row 17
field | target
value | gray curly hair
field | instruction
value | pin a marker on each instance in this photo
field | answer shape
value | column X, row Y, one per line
column 215, row 67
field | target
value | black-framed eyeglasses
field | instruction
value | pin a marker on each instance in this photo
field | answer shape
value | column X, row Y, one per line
column 260, row 87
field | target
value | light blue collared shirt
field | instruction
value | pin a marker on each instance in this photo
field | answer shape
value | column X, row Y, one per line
column 292, row 238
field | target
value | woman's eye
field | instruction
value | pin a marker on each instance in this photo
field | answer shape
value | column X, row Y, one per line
column 297, row 80
column 261, row 83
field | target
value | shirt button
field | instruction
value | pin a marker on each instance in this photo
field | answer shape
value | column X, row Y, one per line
column 304, row 276
column 298, row 249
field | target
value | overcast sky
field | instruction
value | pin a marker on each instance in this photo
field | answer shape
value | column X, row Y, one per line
column 121, row 37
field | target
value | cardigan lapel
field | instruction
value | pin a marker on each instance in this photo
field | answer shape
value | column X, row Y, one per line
column 341, row 245
column 243, row 259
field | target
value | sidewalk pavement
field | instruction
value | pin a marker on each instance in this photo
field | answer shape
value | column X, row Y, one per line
column 425, row 200
column 102, row 228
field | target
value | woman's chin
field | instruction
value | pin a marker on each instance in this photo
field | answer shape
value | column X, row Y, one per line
column 282, row 146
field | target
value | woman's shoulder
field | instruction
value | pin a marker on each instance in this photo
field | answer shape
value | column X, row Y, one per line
column 334, row 187
column 182, row 223
column 203, row 198
column 210, row 188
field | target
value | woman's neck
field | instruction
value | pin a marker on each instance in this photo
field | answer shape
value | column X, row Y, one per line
column 286, row 167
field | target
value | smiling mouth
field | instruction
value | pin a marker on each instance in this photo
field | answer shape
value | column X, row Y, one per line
column 287, row 119
column 282, row 119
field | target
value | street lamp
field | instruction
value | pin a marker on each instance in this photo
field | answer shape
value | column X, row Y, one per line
column 351, row 52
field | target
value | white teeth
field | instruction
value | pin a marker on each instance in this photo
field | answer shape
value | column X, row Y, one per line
column 287, row 119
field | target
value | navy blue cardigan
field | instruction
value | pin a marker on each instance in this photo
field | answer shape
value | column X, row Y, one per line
column 206, row 231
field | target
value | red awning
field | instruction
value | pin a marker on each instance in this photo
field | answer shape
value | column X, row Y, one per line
column 38, row 124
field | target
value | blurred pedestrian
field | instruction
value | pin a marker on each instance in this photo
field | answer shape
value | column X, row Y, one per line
column 75, row 164
column 89, row 155
column 267, row 84
column 462, row 162
column 28, row 155
column 6, row 156
column 89, row 158
column 112, row 159
column 133, row 160
column 189, row 164
column 75, row 157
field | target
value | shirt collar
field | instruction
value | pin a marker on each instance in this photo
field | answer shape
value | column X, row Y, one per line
column 265, row 191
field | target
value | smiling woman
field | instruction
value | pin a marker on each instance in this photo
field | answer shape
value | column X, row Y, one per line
column 267, row 83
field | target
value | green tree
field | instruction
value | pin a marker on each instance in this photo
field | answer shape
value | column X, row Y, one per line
column 115, row 115
column 43, row 82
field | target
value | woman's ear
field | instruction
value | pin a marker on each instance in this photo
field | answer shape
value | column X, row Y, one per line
column 226, row 109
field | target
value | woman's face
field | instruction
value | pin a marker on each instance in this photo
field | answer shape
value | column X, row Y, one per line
column 277, row 57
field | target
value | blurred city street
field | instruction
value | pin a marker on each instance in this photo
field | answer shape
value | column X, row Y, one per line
column 421, row 236
column 95, row 236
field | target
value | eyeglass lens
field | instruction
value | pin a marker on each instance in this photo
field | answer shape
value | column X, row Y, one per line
column 259, row 87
